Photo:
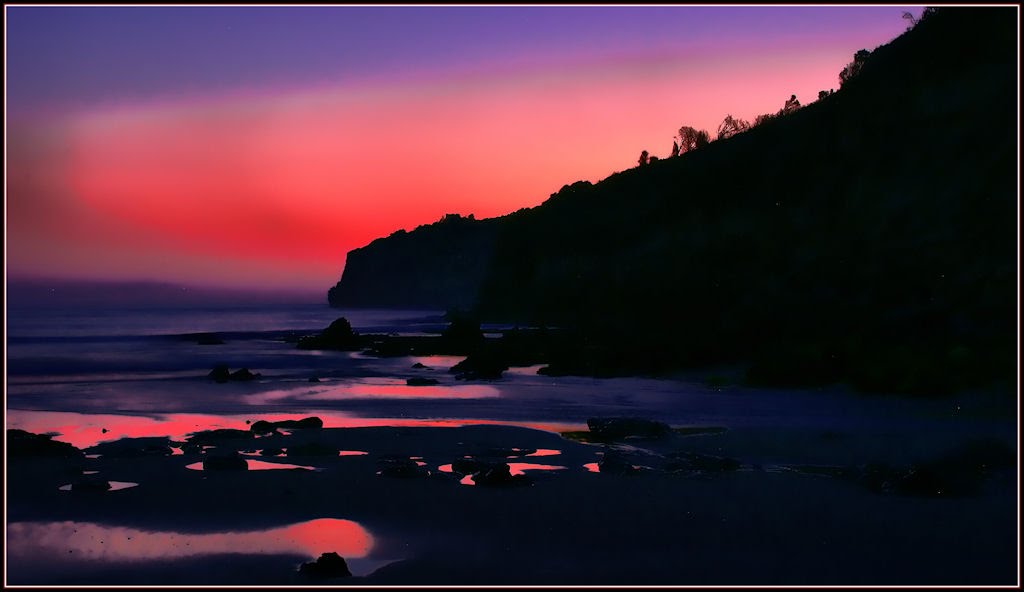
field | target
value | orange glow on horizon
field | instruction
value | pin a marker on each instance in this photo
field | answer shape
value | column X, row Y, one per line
column 280, row 185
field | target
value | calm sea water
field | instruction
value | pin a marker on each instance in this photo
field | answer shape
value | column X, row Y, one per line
column 132, row 371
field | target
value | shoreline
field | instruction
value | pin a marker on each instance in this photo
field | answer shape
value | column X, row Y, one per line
column 569, row 526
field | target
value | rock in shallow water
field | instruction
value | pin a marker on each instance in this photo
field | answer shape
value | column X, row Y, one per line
column 87, row 484
column 628, row 427
column 499, row 476
column 614, row 462
column 26, row 444
column 225, row 463
column 417, row 381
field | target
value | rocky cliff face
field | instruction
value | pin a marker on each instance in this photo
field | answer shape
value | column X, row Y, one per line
column 872, row 231
column 440, row 266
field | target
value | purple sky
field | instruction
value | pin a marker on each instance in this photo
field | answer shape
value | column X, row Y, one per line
column 239, row 145
column 80, row 56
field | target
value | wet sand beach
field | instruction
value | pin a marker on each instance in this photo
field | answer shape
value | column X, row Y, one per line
column 699, row 505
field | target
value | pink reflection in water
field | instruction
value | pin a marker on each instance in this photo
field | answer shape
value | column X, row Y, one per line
column 513, row 469
column 352, row 453
column 397, row 388
column 257, row 465
column 83, row 430
column 444, row 362
column 545, row 452
column 592, row 467
column 114, row 543
column 519, row 468
column 114, row 485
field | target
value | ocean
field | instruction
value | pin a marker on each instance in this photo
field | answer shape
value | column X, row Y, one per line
column 102, row 375
column 93, row 373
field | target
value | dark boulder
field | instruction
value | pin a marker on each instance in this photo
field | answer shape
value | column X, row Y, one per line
column 90, row 484
column 398, row 466
column 499, row 475
column 225, row 463
column 262, row 427
column 463, row 332
column 133, row 447
column 220, row 373
column 306, row 423
column 417, row 381
column 418, row 366
column 328, row 565
column 628, row 427
column 614, row 462
column 480, row 366
column 272, row 452
column 219, row 435
column 469, row 466
column 269, row 427
column 337, row 336
column 26, row 444
column 243, row 374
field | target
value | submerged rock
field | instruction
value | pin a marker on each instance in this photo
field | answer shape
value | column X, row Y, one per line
column 417, row 381
column 267, row 427
column 418, row 366
column 244, row 374
column 220, row 373
column 469, row 466
column 628, row 427
column 225, row 463
column 479, row 367
column 218, row 435
column 134, row 447
column 614, row 462
column 90, row 484
column 499, row 475
column 328, row 565
column 400, row 466
column 338, row 335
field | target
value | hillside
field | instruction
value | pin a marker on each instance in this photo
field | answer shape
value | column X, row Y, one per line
column 868, row 237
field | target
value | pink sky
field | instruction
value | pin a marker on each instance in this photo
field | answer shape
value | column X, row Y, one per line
column 270, row 187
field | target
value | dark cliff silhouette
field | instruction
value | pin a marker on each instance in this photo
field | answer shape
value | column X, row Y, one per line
column 867, row 237
column 439, row 265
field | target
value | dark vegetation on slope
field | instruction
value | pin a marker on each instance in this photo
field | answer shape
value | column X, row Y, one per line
column 869, row 237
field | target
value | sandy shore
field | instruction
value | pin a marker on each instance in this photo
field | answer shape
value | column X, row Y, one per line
column 400, row 515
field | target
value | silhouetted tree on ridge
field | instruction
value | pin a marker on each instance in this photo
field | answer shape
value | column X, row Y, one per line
column 853, row 68
column 691, row 138
column 731, row 126
column 644, row 158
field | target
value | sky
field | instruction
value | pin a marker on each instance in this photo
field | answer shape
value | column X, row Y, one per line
column 255, row 146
